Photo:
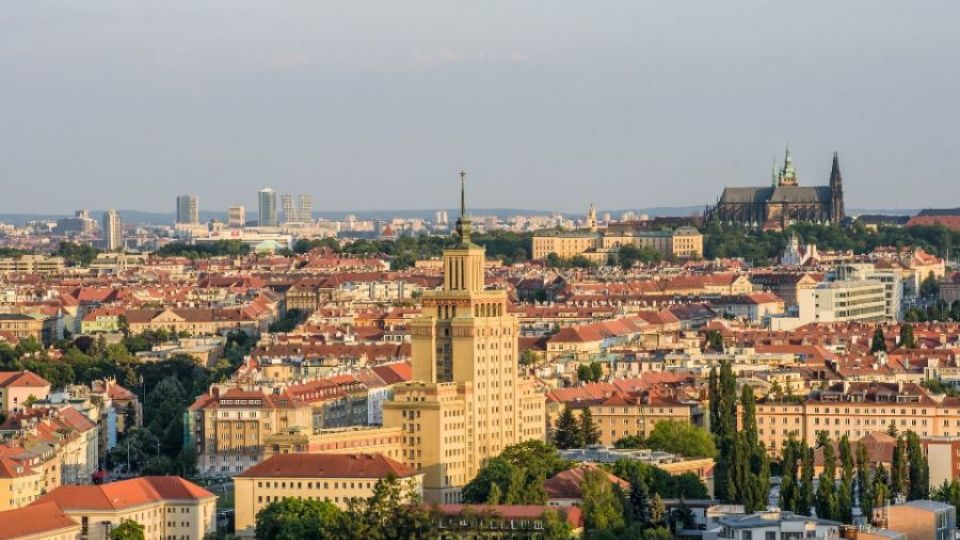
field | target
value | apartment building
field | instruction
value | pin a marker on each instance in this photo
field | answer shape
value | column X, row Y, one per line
column 335, row 478
column 856, row 409
column 32, row 264
column 166, row 506
column 229, row 426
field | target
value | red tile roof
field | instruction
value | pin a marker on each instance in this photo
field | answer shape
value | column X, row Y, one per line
column 328, row 466
column 36, row 519
column 125, row 493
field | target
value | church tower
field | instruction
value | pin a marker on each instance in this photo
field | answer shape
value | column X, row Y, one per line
column 467, row 399
column 788, row 176
column 592, row 218
column 837, row 210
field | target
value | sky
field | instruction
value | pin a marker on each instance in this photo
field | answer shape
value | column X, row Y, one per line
column 548, row 104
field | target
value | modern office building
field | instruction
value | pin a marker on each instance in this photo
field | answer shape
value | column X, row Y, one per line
column 188, row 211
column 80, row 223
column 267, row 199
column 467, row 400
column 236, row 217
column 112, row 231
column 305, row 207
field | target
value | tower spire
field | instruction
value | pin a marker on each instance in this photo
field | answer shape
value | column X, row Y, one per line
column 837, row 210
column 463, row 222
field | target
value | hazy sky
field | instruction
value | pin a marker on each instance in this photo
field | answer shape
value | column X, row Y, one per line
column 548, row 104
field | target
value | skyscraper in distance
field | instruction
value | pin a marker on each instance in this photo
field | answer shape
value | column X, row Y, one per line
column 188, row 209
column 305, row 208
column 289, row 210
column 267, row 199
column 112, row 231
column 236, row 216
column 468, row 398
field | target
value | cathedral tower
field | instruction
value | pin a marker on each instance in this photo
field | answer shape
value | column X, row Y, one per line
column 837, row 210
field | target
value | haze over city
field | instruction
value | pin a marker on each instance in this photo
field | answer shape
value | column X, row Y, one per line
column 549, row 105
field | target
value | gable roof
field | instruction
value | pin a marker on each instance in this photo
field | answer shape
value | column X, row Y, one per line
column 373, row 466
column 36, row 519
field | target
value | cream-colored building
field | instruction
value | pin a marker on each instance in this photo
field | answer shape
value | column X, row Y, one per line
column 347, row 440
column 166, row 506
column 229, row 426
column 20, row 484
column 38, row 522
column 682, row 242
column 32, row 264
column 335, row 478
column 467, row 399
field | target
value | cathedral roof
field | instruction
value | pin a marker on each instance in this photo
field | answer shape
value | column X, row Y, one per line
column 782, row 194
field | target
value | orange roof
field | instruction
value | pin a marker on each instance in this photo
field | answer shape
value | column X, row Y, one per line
column 328, row 466
column 22, row 379
column 125, row 493
column 36, row 519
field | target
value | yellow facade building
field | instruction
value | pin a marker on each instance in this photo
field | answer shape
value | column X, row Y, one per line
column 335, row 478
column 467, row 400
column 681, row 243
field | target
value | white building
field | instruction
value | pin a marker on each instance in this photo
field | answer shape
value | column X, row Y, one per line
column 837, row 301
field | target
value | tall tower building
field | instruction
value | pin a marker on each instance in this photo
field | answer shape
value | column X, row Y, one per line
column 305, row 208
column 267, row 199
column 467, row 399
column 592, row 218
column 188, row 211
column 112, row 231
column 236, row 217
column 289, row 210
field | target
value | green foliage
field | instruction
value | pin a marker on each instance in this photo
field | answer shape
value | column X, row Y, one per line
column 645, row 478
column 289, row 321
column 304, row 245
column 127, row 530
column 629, row 441
column 949, row 492
column 878, row 343
column 629, row 255
column 567, row 432
column 715, row 340
column 516, row 476
column 77, row 254
column 602, row 509
column 591, row 372
column 206, row 250
column 681, row 438
column 907, row 339
column 295, row 519
column 590, row 431
column 929, row 287
column 763, row 247
column 577, row 261
column 918, row 468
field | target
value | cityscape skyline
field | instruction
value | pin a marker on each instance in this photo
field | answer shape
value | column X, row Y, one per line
column 615, row 103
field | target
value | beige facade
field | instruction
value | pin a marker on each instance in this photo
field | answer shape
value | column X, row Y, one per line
column 337, row 479
column 683, row 242
column 230, row 427
column 373, row 440
column 466, row 401
column 20, row 485
column 32, row 264
column 167, row 507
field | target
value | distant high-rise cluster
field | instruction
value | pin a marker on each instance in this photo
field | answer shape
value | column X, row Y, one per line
column 297, row 210
column 188, row 210
column 267, row 205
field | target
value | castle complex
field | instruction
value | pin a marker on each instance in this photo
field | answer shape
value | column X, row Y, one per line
column 784, row 202
column 467, row 400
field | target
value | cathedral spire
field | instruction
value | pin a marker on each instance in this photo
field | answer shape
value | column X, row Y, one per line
column 788, row 176
column 463, row 222
column 837, row 210
column 836, row 180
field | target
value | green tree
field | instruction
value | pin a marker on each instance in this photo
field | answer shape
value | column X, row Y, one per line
column 601, row 507
column 715, row 340
column 589, row 430
column 658, row 511
column 294, row 519
column 930, row 287
column 948, row 492
column 555, row 525
column 878, row 343
column 918, row 468
column 907, row 339
column 790, row 483
column 127, row 530
column 806, row 479
column 827, row 503
column 845, row 488
column 392, row 512
column 900, row 469
column 881, row 490
column 629, row 442
column 865, row 481
column 567, row 432
column 681, row 438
